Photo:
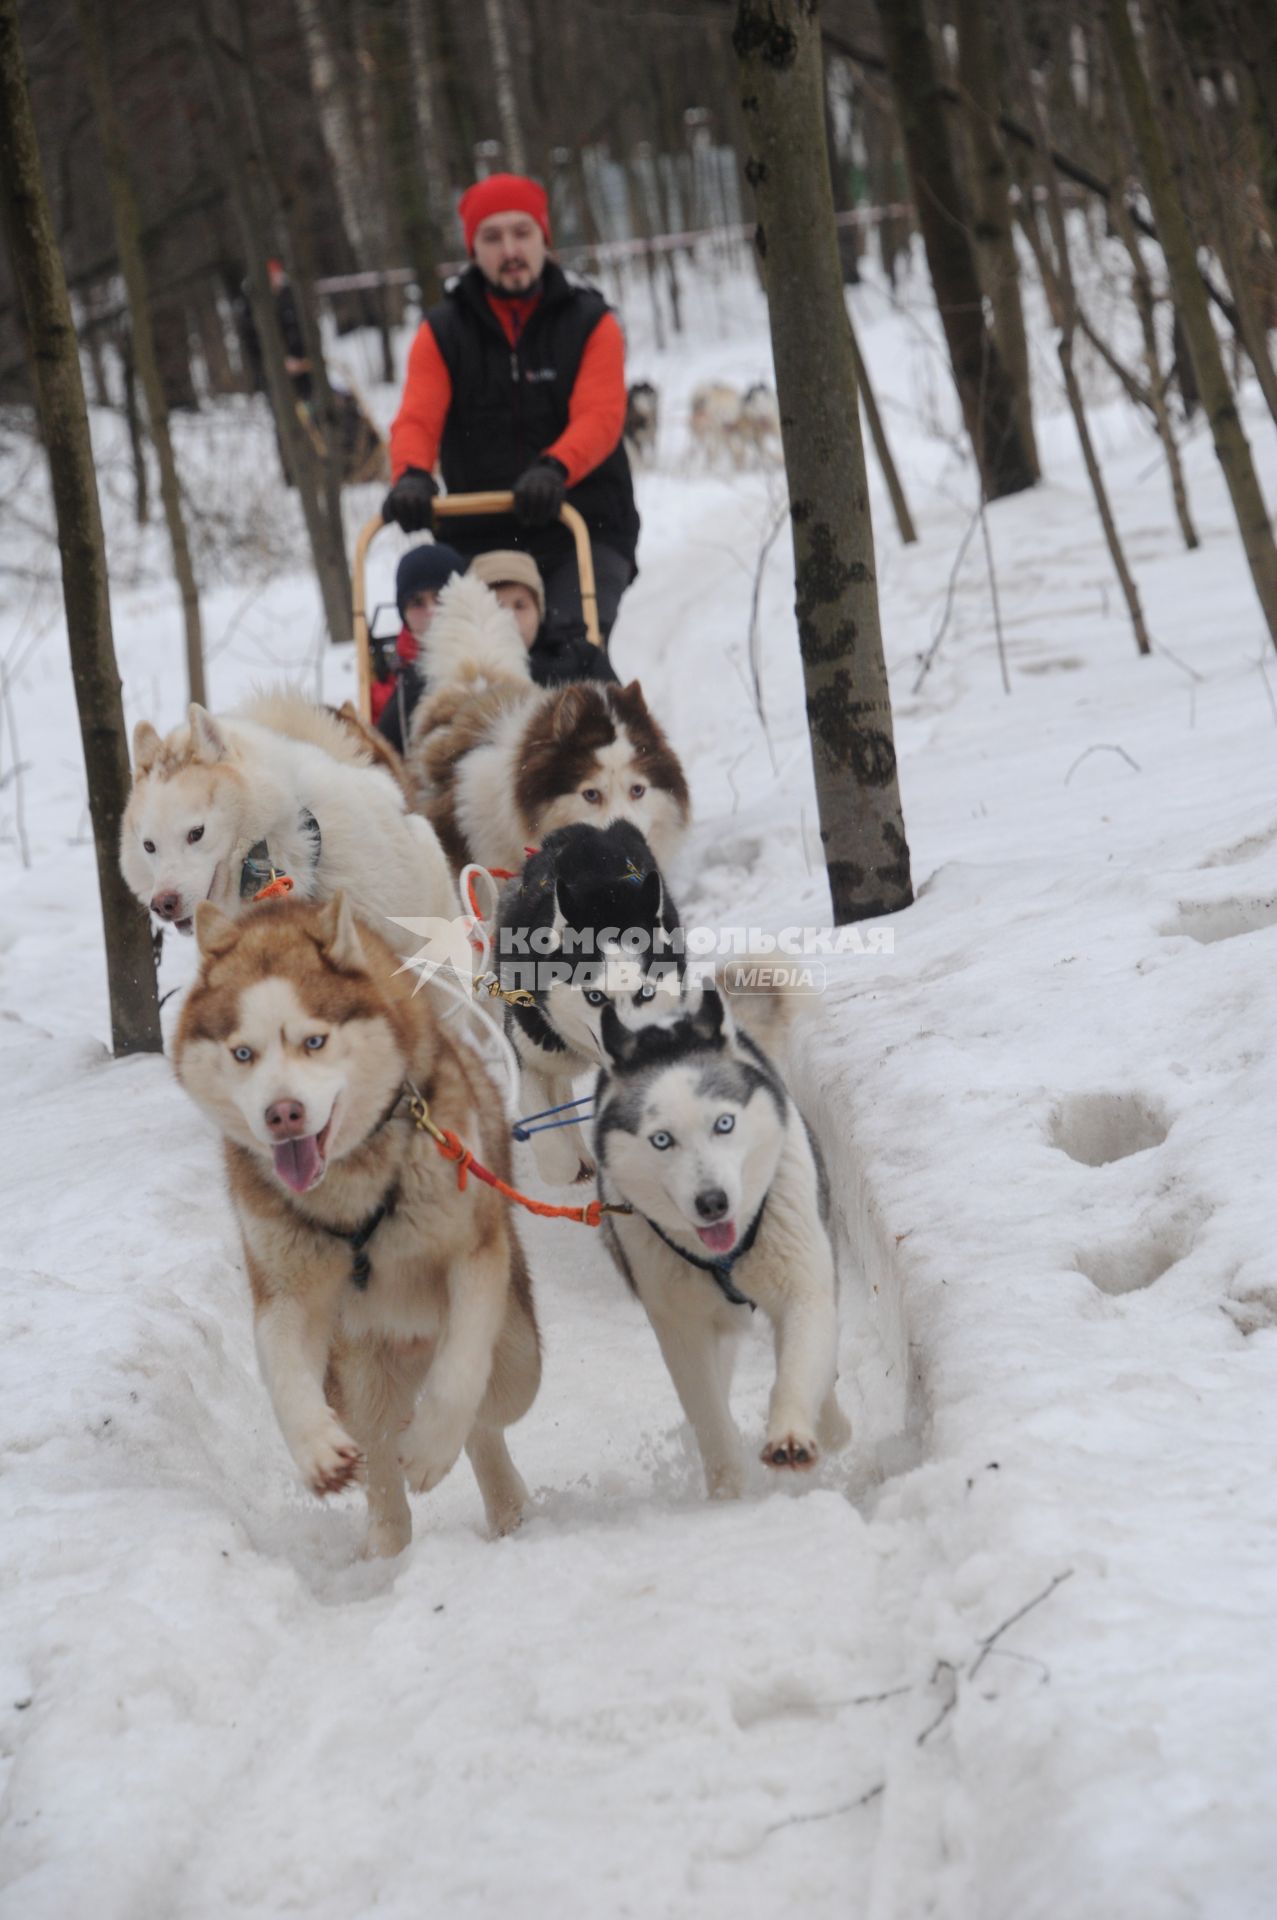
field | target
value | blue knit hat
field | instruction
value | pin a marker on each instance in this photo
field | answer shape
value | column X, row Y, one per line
column 425, row 570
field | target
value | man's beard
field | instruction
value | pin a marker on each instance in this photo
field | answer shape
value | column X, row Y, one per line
column 504, row 292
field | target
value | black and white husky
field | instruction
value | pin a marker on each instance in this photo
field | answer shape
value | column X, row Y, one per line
column 695, row 1130
column 588, row 923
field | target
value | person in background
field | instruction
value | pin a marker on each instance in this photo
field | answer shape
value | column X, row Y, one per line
column 516, row 381
column 554, row 658
column 423, row 573
column 296, row 365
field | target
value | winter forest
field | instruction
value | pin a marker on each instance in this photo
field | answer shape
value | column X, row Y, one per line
column 638, row 885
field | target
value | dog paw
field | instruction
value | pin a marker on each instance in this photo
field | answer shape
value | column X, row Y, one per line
column 329, row 1459
column 724, row 1483
column 387, row 1539
column 505, row 1519
column 796, row 1451
column 428, row 1451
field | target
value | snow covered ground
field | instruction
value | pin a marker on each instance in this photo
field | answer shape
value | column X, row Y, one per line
column 1048, row 1114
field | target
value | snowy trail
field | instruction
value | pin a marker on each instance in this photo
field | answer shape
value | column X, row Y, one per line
column 640, row 1692
column 1048, row 1117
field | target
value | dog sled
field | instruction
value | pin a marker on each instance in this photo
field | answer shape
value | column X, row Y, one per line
column 455, row 506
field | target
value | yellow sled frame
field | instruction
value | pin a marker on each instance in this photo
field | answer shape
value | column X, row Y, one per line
column 455, row 506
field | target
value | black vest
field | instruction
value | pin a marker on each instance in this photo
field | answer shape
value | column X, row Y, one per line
column 510, row 403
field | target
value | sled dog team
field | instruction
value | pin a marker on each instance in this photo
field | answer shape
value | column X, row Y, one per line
column 364, row 1129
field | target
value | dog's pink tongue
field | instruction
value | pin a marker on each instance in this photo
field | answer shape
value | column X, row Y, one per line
column 720, row 1238
column 299, row 1163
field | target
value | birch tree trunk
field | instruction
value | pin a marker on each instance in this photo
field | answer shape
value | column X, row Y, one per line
column 336, row 126
column 45, row 311
column 1231, row 446
column 128, row 229
column 777, row 44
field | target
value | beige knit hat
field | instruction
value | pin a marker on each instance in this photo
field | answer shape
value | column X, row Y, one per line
column 509, row 568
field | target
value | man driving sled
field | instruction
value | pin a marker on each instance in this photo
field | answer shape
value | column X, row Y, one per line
column 516, row 380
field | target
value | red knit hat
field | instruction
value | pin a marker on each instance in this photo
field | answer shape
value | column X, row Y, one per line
column 502, row 193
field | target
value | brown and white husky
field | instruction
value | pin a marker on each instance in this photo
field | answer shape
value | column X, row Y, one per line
column 503, row 762
column 393, row 1312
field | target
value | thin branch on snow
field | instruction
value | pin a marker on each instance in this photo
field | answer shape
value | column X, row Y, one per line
column 991, row 1639
column 827, row 1813
column 1101, row 748
column 946, row 1667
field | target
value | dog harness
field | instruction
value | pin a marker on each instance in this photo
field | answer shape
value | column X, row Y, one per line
column 361, row 1263
column 259, row 870
column 358, row 1237
column 720, row 1271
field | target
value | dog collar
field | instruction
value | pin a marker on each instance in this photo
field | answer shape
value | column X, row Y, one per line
column 259, row 870
column 720, row 1271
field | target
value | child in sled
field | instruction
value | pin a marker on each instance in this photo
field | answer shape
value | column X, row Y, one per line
column 423, row 574
column 554, row 658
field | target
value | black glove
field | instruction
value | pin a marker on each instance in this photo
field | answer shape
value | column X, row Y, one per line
column 538, row 493
column 410, row 502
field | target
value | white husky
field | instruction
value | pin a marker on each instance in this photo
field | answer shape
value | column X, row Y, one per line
column 695, row 1130
column 219, row 805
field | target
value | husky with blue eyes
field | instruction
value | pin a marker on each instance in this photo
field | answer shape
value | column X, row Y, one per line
column 695, row 1131
column 588, row 924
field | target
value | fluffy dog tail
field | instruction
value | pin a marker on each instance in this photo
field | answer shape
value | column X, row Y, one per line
column 287, row 710
column 472, row 640
column 767, row 993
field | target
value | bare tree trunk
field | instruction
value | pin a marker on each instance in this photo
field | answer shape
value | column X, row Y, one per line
column 1231, row 447
column 337, row 129
column 423, row 60
column 1253, row 28
column 128, row 241
column 210, row 330
column 503, row 86
column 994, row 229
column 1195, row 151
column 987, row 396
column 641, row 225
column 777, row 45
column 137, row 446
column 878, row 434
column 244, row 164
column 296, row 248
column 398, row 85
column 45, row 311
column 1057, row 274
column 1146, row 307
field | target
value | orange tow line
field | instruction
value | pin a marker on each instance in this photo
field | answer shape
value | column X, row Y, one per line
column 452, row 1148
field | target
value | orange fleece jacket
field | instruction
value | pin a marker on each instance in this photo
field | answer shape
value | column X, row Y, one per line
column 596, row 408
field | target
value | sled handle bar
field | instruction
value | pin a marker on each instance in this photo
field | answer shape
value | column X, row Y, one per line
column 455, row 506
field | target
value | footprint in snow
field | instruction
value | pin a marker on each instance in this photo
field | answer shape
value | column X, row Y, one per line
column 1097, row 1128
